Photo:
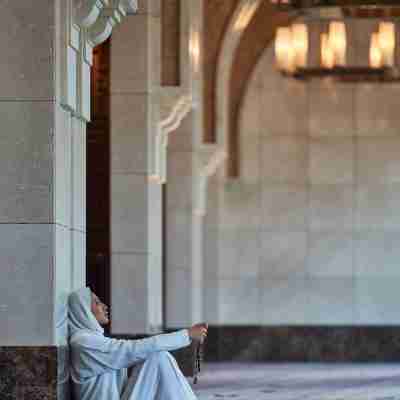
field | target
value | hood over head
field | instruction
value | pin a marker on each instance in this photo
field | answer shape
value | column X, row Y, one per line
column 80, row 316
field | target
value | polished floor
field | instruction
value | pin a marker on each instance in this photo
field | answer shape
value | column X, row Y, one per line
column 240, row 381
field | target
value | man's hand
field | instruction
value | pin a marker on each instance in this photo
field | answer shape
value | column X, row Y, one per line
column 198, row 332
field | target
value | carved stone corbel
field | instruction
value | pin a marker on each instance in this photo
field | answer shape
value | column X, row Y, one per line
column 87, row 11
column 86, row 23
column 110, row 17
column 174, row 106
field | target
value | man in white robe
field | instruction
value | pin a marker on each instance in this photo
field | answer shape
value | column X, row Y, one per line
column 99, row 364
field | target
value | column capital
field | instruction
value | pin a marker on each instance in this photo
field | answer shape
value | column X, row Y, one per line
column 84, row 25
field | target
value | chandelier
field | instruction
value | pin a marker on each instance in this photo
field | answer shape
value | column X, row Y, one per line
column 389, row 5
column 292, row 43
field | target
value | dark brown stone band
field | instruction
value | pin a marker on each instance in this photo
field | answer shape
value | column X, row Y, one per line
column 28, row 373
column 303, row 344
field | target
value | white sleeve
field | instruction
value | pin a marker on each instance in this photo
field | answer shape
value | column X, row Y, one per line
column 100, row 354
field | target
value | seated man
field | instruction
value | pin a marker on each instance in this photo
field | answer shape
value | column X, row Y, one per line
column 99, row 363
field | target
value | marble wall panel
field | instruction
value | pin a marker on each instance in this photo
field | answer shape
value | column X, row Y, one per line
column 376, row 111
column 319, row 183
column 377, row 206
column 180, row 164
column 331, row 161
column 265, row 74
column 210, row 253
column 238, row 300
column 239, row 255
column 240, row 205
column 283, row 255
column 251, row 112
column 27, row 34
column 378, row 160
column 178, row 312
column 180, row 181
column 377, row 254
column 331, row 112
column 330, row 254
column 128, row 213
column 26, row 257
column 211, row 304
column 284, row 207
column 129, row 274
column 376, row 301
column 179, row 239
column 283, row 301
column 284, row 159
column 330, row 301
column 129, row 54
column 285, row 111
column 250, row 166
column 129, row 133
column 26, row 163
column 331, row 207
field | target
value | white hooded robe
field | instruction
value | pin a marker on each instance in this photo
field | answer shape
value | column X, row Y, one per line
column 99, row 364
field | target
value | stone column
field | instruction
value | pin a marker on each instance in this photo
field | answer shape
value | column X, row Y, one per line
column 210, row 244
column 181, row 232
column 42, row 202
column 135, row 202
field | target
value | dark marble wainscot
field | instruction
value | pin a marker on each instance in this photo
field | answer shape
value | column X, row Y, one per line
column 28, row 373
column 303, row 343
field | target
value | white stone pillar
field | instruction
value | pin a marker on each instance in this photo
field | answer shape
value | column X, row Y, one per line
column 181, row 230
column 28, row 220
column 136, row 206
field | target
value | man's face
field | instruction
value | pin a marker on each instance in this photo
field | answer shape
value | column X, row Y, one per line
column 99, row 310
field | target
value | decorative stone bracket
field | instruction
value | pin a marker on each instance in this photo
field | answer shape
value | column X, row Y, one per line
column 176, row 102
column 85, row 24
column 174, row 106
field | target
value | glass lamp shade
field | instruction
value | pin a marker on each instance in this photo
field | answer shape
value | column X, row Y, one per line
column 300, row 44
column 284, row 51
column 375, row 54
column 327, row 53
column 387, row 42
column 338, row 42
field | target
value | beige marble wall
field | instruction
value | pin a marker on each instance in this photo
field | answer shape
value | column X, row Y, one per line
column 310, row 232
